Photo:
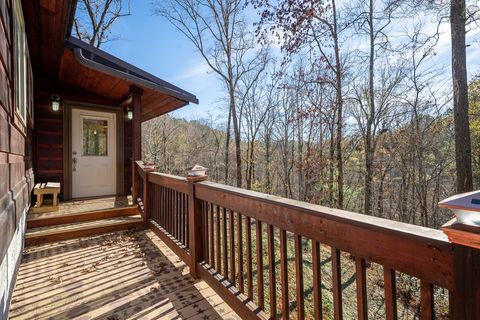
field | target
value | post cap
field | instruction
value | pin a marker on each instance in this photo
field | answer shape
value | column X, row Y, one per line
column 464, row 228
column 196, row 171
column 462, row 234
column 197, row 178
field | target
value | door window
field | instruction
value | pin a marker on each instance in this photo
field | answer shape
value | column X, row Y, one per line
column 95, row 137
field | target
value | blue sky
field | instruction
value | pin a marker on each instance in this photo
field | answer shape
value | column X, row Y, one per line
column 153, row 44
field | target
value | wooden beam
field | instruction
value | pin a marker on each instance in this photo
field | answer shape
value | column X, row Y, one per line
column 125, row 102
column 136, row 95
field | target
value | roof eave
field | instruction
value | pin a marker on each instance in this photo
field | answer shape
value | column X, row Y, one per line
column 148, row 80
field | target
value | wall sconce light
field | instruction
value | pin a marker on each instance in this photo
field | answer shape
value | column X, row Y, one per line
column 55, row 102
column 129, row 114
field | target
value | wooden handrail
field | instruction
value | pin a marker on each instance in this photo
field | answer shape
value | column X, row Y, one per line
column 173, row 182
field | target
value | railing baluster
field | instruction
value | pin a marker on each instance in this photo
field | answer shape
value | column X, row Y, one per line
column 218, row 252
column 390, row 293
column 248, row 247
column 299, row 276
column 212, row 241
column 157, row 204
column 182, row 220
column 169, row 210
column 172, row 214
column 225, row 243
column 271, row 272
column 177, row 213
column 361, row 282
column 259, row 247
column 337, row 285
column 231, row 221
column 240, row 252
column 187, row 233
column 162, row 207
column 205, row 228
column 165, row 212
column 284, row 273
column 426, row 300
column 317, row 280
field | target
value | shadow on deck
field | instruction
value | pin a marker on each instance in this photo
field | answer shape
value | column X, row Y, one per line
column 123, row 275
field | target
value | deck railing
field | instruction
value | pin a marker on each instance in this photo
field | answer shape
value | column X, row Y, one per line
column 258, row 251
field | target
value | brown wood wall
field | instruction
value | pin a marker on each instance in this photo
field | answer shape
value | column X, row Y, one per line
column 48, row 164
column 16, row 174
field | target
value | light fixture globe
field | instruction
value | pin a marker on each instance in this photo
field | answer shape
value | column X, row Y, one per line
column 55, row 102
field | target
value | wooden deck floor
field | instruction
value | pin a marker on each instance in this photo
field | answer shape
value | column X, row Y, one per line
column 123, row 275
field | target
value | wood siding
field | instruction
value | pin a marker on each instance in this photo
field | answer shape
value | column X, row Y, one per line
column 16, row 174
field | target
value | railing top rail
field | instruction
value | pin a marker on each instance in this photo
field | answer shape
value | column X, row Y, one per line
column 332, row 213
column 170, row 181
column 415, row 250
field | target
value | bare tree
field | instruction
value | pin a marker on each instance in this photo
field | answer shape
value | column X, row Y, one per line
column 256, row 96
column 94, row 19
column 313, row 26
column 218, row 30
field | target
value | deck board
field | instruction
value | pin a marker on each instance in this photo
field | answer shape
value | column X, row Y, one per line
column 80, row 206
column 122, row 275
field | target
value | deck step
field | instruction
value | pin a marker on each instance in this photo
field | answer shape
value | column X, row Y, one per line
column 37, row 220
column 60, row 232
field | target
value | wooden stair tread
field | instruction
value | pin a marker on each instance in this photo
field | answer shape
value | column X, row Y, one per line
column 81, row 226
column 60, row 214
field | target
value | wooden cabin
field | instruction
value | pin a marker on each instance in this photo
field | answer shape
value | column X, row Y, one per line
column 70, row 125
column 69, row 114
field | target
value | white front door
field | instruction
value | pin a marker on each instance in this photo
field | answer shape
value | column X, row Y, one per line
column 94, row 153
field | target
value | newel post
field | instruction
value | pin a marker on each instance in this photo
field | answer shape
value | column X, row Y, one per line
column 195, row 225
column 465, row 298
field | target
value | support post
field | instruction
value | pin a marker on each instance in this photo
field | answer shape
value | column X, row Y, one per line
column 465, row 298
column 195, row 223
column 136, row 94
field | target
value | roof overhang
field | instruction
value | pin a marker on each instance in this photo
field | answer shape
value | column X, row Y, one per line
column 47, row 24
column 59, row 57
column 101, row 73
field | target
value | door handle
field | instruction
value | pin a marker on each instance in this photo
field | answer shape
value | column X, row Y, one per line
column 74, row 161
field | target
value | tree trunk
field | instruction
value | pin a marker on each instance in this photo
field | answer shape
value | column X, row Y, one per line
column 331, row 167
column 369, row 150
column 268, row 182
column 250, row 163
column 227, row 146
column 300, row 160
column 236, row 133
column 339, row 98
column 463, row 152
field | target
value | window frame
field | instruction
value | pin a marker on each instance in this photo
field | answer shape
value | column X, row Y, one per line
column 21, row 66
